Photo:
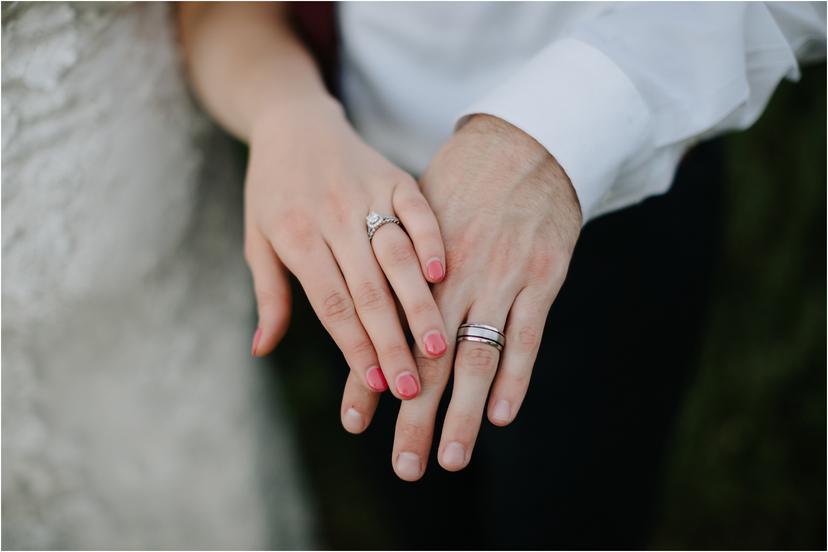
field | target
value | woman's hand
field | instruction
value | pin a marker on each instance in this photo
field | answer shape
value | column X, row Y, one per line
column 310, row 184
column 510, row 220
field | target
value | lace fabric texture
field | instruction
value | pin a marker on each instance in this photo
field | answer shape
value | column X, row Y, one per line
column 130, row 410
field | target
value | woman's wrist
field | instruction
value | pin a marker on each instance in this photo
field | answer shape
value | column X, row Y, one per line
column 290, row 112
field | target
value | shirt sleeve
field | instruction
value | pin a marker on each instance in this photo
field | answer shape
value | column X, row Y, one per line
column 623, row 95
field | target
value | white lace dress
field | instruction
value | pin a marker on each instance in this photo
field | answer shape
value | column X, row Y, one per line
column 131, row 416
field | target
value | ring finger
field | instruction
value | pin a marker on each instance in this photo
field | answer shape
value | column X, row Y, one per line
column 474, row 369
column 315, row 268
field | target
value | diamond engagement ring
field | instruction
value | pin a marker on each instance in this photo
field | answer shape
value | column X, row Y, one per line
column 482, row 333
column 375, row 221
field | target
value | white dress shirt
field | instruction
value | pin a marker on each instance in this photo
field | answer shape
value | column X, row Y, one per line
column 617, row 92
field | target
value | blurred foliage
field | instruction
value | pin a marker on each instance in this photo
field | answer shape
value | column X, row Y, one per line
column 748, row 468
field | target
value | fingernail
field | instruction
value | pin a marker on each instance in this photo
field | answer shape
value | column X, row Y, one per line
column 256, row 337
column 435, row 270
column 434, row 343
column 454, row 455
column 407, row 386
column 408, row 465
column 376, row 379
column 502, row 411
column 353, row 421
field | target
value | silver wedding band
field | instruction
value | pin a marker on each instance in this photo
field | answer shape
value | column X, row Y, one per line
column 482, row 333
column 375, row 221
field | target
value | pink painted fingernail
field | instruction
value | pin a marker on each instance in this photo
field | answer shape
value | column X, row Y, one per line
column 376, row 380
column 407, row 386
column 256, row 337
column 435, row 344
column 435, row 270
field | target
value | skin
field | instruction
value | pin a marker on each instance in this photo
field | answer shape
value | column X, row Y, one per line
column 507, row 213
column 510, row 220
column 310, row 183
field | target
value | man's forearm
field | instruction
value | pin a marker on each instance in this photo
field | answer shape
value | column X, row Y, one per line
column 244, row 60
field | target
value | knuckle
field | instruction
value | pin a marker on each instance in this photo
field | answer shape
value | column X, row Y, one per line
column 336, row 307
column 408, row 432
column 362, row 347
column 520, row 379
column 429, row 241
column 296, row 228
column 413, row 202
column 479, row 359
column 371, row 296
column 427, row 238
column 459, row 251
column 336, row 207
column 432, row 370
column 542, row 265
column 266, row 298
column 422, row 309
column 394, row 351
column 400, row 252
column 506, row 252
column 465, row 426
column 529, row 337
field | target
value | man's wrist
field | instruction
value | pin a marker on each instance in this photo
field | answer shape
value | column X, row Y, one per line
column 516, row 145
column 508, row 136
column 511, row 140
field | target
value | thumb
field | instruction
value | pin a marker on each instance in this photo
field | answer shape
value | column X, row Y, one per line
column 273, row 301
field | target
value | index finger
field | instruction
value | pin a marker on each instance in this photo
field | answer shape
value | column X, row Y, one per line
column 422, row 227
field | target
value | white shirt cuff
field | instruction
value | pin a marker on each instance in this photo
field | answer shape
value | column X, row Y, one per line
column 578, row 105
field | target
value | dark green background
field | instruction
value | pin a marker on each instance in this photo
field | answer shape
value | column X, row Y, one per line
column 748, row 461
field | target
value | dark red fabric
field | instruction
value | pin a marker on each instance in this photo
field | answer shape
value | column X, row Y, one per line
column 316, row 24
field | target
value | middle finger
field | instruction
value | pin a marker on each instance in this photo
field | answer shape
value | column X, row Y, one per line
column 378, row 314
column 415, row 422
column 398, row 260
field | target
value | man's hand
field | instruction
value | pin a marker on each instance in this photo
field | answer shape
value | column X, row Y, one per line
column 510, row 219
